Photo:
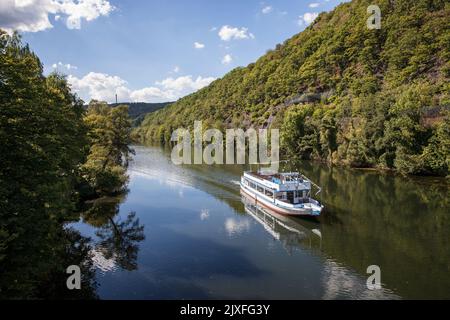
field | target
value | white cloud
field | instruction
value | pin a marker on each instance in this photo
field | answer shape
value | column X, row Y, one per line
column 198, row 45
column 61, row 66
column 104, row 87
column 267, row 10
column 33, row 15
column 100, row 86
column 307, row 18
column 228, row 33
column 171, row 89
column 227, row 59
column 26, row 15
column 23, row 3
column 84, row 9
column 204, row 214
column 185, row 84
column 176, row 69
column 151, row 94
column 314, row 5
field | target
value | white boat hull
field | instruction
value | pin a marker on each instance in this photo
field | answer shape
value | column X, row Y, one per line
column 312, row 211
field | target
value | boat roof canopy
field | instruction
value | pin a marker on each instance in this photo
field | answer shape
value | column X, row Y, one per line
column 289, row 174
column 277, row 174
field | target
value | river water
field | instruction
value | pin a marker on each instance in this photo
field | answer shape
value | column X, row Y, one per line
column 185, row 232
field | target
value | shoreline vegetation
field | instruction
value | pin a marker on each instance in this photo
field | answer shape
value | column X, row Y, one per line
column 56, row 158
column 339, row 92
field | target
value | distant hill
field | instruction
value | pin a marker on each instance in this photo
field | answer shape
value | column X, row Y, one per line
column 138, row 110
column 340, row 92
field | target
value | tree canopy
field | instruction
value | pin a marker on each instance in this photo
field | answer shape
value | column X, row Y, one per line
column 53, row 155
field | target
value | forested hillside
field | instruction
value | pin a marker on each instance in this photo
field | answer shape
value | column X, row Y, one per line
column 138, row 110
column 340, row 92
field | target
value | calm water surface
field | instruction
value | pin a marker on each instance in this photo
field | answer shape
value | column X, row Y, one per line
column 186, row 233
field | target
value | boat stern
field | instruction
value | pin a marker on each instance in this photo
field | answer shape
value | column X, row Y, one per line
column 316, row 210
column 316, row 207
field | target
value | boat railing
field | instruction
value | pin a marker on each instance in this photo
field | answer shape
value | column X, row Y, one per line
column 319, row 189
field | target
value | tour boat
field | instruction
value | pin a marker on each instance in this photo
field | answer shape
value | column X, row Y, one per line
column 285, row 193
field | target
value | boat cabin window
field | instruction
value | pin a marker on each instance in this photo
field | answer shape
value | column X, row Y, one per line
column 260, row 189
column 269, row 193
column 290, row 196
column 282, row 196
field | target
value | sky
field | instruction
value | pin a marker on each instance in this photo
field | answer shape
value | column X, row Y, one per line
column 153, row 50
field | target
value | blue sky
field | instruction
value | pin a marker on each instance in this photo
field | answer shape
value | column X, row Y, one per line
column 146, row 50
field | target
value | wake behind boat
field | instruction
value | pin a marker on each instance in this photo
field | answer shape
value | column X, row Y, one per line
column 284, row 193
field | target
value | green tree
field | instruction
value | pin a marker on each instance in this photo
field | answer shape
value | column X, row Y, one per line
column 42, row 142
column 109, row 154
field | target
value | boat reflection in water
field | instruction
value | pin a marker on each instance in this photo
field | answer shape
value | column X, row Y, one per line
column 338, row 282
column 292, row 232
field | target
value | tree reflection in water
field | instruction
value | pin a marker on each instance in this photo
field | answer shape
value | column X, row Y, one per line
column 75, row 249
column 43, row 274
column 118, row 241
